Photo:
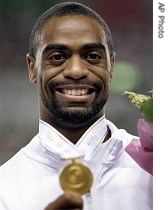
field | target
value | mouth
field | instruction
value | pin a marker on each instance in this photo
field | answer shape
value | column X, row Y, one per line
column 76, row 93
column 76, row 90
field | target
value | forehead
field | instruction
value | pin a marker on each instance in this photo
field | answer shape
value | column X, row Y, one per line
column 70, row 29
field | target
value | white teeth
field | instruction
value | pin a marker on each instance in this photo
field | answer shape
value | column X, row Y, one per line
column 76, row 92
column 73, row 92
column 69, row 92
column 83, row 92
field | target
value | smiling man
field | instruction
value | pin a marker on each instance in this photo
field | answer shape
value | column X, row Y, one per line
column 73, row 67
column 78, row 158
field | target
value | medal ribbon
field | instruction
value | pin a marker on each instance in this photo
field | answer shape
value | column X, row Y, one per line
column 87, row 145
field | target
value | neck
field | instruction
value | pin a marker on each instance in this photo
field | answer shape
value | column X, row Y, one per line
column 72, row 132
column 86, row 146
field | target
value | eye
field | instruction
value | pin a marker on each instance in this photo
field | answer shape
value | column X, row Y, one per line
column 57, row 58
column 93, row 57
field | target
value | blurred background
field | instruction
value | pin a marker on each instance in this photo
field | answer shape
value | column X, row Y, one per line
column 131, row 24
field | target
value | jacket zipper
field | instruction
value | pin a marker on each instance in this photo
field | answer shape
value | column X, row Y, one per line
column 89, row 201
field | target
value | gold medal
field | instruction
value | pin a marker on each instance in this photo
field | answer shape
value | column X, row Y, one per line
column 76, row 177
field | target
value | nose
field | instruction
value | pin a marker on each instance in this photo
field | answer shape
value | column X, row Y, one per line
column 75, row 68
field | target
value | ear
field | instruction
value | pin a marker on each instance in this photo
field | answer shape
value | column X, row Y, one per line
column 112, row 62
column 31, row 68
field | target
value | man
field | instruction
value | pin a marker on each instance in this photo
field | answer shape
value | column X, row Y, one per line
column 71, row 59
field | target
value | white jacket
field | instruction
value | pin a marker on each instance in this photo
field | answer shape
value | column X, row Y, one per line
column 30, row 180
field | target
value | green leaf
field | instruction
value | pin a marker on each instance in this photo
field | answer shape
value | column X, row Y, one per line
column 147, row 109
column 144, row 102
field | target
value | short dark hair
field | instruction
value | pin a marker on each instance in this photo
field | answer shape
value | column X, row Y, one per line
column 64, row 9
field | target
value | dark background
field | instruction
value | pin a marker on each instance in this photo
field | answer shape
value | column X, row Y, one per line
column 131, row 23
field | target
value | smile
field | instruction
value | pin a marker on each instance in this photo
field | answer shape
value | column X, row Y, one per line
column 77, row 94
column 76, row 91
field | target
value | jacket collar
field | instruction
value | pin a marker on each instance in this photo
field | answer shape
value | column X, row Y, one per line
column 112, row 148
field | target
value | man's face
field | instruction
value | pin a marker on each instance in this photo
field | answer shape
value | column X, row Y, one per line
column 72, row 69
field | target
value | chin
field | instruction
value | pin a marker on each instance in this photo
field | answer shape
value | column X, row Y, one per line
column 74, row 116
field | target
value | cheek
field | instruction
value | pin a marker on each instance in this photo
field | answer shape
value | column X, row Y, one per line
column 44, row 76
column 106, row 83
column 105, row 77
column 42, row 85
column 49, row 72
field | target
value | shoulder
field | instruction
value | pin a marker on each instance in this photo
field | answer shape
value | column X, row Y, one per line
column 9, row 167
column 121, row 134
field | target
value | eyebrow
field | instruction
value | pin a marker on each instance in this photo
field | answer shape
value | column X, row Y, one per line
column 62, row 47
column 52, row 47
column 93, row 46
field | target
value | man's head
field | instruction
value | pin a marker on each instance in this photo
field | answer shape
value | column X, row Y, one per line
column 66, row 9
column 71, row 59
